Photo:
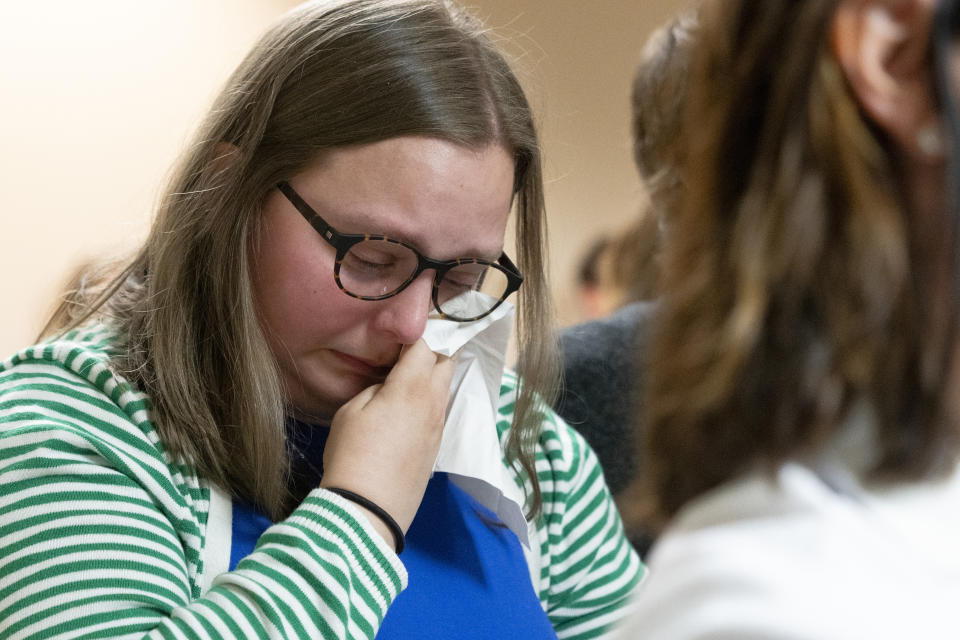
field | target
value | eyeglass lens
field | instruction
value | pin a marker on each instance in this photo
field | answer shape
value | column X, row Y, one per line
column 374, row 268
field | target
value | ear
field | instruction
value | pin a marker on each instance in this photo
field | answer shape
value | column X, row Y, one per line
column 883, row 47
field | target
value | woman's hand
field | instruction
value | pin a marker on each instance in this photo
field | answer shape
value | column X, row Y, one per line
column 383, row 443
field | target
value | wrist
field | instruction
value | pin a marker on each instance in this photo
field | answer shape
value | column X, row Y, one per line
column 382, row 521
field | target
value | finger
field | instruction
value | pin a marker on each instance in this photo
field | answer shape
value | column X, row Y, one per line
column 414, row 365
column 361, row 400
column 443, row 372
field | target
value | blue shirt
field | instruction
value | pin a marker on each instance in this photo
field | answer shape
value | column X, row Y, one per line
column 468, row 577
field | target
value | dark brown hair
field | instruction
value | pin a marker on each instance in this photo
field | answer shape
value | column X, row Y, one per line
column 795, row 288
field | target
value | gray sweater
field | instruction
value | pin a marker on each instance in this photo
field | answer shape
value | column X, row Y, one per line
column 602, row 387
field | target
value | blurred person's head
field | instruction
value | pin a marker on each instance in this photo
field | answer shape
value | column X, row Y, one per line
column 328, row 81
column 659, row 97
column 810, row 271
column 661, row 85
column 619, row 268
column 634, row 258
column 597, row 292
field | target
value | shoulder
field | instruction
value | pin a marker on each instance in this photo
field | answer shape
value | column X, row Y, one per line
column 584, row 569
column 601, row 376
column 65, row 394
column 69, row 424
column 784, row 556
column 560, row 449
column 83, row 355
column 717, row 570
column 615, row 333
column 602, row 385
column 72, row 377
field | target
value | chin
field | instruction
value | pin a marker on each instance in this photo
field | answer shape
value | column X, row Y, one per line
column 311, row 413
column 316, row 394
column 311, row 406
column 319, row 404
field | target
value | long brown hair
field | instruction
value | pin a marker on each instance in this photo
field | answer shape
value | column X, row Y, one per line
column 794, row 286
column 328, row 74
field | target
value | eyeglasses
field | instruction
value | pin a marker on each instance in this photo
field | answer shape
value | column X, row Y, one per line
column 375, row 267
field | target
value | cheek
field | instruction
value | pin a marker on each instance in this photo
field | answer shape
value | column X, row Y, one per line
column 293, row 282
column 300, row 307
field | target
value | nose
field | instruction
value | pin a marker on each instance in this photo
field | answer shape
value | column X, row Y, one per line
column 404, row 316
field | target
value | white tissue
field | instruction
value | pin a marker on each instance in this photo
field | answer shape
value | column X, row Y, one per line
column 470, row 451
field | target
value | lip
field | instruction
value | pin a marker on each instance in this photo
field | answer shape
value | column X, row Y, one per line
column 362, row 366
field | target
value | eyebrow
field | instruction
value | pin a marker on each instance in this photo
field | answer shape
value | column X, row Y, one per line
column 365, row 224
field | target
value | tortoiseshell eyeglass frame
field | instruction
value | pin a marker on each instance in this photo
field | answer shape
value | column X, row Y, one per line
column 343, row 242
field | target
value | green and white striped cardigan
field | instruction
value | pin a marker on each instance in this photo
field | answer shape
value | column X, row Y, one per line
column 102, row 534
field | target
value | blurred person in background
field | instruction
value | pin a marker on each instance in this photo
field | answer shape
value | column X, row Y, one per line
column 602, row 376
column 595, row 290
column 801, row 433
column 619, row 269
column 634, row 253
column 234, row 436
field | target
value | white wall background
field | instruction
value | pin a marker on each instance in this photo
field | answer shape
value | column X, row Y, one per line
column 99, row 96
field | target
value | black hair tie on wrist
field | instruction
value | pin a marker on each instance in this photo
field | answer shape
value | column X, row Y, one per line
column 377, row 510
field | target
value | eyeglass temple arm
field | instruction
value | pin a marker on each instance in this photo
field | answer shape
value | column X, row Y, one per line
column 307, row 212
column 506, row 262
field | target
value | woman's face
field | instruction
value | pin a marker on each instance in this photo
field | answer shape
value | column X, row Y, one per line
column 446, row 200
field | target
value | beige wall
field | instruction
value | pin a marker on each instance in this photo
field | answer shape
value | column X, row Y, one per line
column 579, row 60
column 99, row 96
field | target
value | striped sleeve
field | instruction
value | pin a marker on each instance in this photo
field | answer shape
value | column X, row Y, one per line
column 588, row 569
column 100, row 535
